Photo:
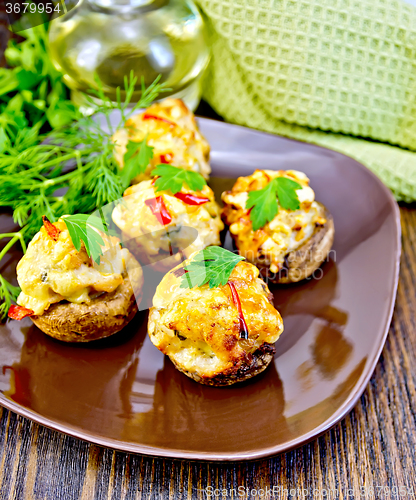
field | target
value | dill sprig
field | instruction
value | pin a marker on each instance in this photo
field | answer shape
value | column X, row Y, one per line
column 8, row 293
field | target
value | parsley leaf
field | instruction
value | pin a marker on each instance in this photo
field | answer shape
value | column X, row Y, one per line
column 263, row 202
column 173, row 178
column 213, row 265
column 84, row 227
column 286, row 192
column 61, row 113
column 136, row 160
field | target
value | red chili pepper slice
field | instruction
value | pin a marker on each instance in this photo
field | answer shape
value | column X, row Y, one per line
column 19, row 312
column 236, row 300
column 149, row 116
column 159, row 210
column 52, row 230
column 166, row 158
column 179, row 272
column 191, row 199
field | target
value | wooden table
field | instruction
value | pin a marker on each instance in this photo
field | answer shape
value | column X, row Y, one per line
column 369, row 454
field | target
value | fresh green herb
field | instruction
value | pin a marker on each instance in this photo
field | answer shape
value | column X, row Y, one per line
column 173, row 178
column 213, row 265
column 8, row 294
column 286, row 193
column 33, row 99
column 68, row 170
column 73, row 170
column 82, row 227
column 263, row 202
column 136, row 160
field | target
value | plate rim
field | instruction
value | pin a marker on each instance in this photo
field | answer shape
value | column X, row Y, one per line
column 341, row 412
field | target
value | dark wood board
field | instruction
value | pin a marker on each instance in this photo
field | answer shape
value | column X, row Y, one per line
column 373, row 447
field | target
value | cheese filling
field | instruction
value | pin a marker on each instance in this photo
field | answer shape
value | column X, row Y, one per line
column 285, row 233
column 53, row 271
column 191, row 227
column 170, row 128
column 198, row 328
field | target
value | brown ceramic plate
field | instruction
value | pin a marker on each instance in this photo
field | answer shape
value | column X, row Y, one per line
column 123, row 393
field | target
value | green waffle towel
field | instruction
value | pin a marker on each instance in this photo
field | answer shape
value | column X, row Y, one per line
column 338, row 73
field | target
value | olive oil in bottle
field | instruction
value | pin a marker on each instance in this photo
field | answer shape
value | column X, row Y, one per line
column 111, row 38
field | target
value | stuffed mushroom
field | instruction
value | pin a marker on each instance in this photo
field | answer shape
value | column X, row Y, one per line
column 170, row 128
column 67, row 295
column 217, row 335
column 161, row 228
column 277, row 225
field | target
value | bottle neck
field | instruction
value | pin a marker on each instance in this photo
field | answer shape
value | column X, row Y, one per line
column 122, row 6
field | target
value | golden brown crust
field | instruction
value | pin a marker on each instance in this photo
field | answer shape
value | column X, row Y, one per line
column 176, row 135
column 259, row 361
column 290, row 246
column 301, row 263
column 105, row 315
column 200, row 328
column 162, row 247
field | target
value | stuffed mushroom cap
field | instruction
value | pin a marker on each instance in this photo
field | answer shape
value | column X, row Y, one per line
column 200, row 328
column 71, row 297
column 161, row 229
column 294, row 244
column 171, row 129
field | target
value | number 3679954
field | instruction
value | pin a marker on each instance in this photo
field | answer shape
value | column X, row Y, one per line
column 22, row 8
